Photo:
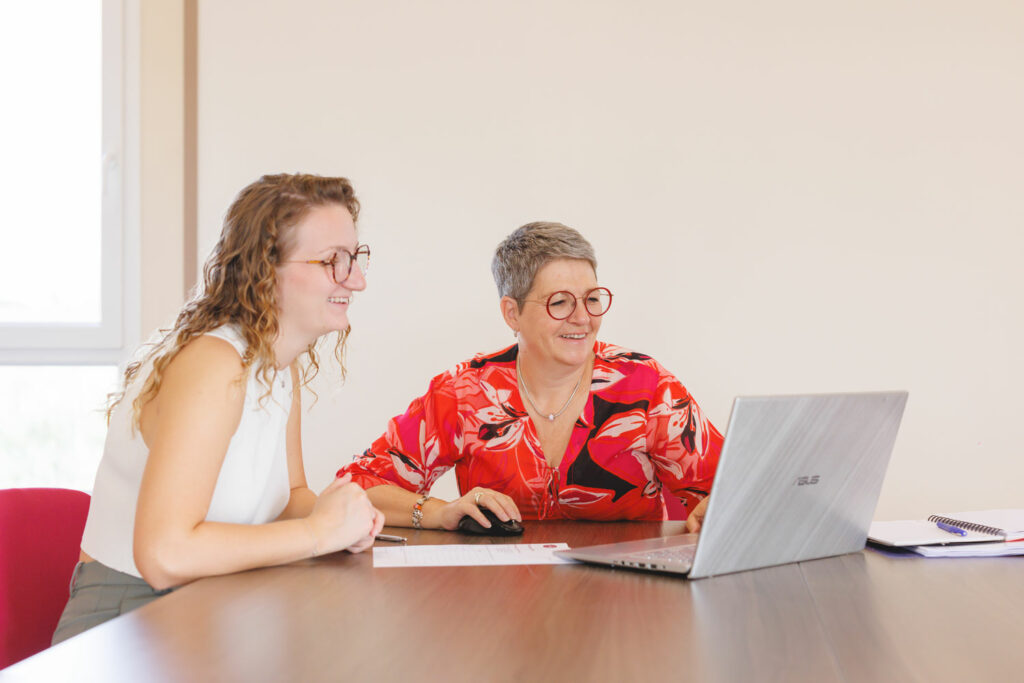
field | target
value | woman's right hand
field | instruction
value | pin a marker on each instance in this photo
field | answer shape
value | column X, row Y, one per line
column 342, row 516
column 503, row 506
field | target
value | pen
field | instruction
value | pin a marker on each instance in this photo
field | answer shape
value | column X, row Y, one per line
column 390, row 538
column 950, row 528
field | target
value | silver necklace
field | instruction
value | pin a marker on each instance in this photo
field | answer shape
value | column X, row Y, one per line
column 526, row 392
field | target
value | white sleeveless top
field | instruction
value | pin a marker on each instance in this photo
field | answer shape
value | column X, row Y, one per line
column 252, row 487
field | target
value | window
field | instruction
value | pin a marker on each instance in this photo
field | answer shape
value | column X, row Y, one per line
column 50, row 437
column 67, row 301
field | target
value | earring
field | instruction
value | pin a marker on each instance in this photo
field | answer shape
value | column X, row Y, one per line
column 515, row 334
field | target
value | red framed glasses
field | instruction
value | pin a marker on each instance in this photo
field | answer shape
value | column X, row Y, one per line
column 562, row 304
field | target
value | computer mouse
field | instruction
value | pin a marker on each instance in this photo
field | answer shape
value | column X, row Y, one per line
column 498, row 528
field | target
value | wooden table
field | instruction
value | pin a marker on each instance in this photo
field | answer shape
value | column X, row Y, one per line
column 869, row 616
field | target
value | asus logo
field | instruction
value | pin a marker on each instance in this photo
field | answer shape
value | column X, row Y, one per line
column 807, row 481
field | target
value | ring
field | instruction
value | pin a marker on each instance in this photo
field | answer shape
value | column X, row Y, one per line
column 477, row 498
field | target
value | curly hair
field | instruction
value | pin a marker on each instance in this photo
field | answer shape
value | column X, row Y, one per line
column 240, row 280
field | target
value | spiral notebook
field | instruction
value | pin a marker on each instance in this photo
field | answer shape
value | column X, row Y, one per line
column 989, row 532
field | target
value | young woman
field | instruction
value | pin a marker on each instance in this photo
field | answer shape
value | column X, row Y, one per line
column 202, row 469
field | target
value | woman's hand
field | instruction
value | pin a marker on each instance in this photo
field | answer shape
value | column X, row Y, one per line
column 367, row 541
column 343, row 517
column 696, row 518
column 503, row 506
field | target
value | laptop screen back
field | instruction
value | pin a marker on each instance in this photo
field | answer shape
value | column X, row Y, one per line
column 799, row 478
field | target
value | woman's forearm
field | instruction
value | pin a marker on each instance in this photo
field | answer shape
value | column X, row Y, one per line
column 214, row 548
column 169, row 554
column 300, row 503
column 397, row 505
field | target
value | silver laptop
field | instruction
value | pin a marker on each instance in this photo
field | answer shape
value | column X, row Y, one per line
column 798, row 479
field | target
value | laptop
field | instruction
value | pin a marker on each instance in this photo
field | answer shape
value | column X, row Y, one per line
column 798, row 479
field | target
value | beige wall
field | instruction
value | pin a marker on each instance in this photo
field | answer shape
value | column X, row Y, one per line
column 161, row 162
column 784, row 197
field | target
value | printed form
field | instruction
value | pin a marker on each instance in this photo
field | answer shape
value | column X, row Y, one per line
column 468, row 555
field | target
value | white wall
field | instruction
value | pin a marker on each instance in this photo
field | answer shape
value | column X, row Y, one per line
column 161, row 162
column 784, row 197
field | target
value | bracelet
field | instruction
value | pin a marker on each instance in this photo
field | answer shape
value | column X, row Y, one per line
column 417, row 512
column 313, row 535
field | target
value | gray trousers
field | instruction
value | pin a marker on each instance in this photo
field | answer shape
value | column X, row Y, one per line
column 97, row 594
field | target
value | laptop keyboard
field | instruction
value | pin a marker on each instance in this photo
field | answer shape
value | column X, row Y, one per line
column 679, row 553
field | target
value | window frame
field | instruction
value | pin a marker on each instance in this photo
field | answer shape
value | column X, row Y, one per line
column 108, row 342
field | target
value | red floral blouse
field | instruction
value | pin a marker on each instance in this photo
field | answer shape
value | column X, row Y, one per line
column 640, row 431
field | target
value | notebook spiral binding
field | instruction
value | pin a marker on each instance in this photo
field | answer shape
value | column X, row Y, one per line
column 968, row 526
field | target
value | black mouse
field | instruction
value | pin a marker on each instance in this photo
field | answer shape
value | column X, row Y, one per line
column 498, row 528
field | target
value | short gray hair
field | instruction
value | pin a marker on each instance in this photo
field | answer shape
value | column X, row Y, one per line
column 523, row 253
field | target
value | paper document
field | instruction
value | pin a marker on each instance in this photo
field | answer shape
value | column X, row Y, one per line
column 998, row 549
column 468, row 555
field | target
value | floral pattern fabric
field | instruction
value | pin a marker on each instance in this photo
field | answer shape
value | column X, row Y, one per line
column 640, row 432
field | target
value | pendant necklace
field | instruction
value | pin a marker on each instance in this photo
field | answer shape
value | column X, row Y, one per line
column 526, row 392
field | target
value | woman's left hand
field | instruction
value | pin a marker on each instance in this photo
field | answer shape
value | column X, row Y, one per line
column 367, row 541
column 696, row 518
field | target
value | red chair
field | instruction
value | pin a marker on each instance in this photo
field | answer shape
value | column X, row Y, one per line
column 40, row 534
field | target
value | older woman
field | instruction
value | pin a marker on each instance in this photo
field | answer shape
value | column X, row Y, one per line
column 558, row 425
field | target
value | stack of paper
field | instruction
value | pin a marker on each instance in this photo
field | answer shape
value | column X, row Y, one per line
column 996, row 549
column 996, row 532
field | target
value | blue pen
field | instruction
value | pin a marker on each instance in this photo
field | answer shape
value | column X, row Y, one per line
column 951, row 529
